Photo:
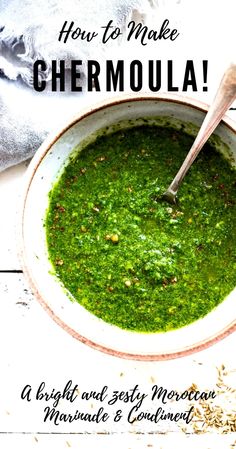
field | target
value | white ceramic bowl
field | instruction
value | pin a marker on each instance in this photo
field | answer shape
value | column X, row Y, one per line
column 42, row 172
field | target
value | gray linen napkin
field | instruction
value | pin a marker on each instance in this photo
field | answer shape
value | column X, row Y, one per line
column 29, row 31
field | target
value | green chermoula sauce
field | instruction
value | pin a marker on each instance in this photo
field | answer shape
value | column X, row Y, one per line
column 129, row 258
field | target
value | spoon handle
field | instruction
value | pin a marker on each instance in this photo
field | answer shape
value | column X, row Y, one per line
column 225, row 96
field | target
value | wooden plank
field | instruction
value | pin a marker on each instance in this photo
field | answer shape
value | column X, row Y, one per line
column 127, row 441
column 10, row 189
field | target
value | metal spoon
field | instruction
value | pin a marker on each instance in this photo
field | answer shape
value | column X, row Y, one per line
column 225, row 96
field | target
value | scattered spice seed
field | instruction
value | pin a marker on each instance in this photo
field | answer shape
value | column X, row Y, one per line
column 173, row 280
column 114, row 238
column 128, row 283
column 210, row 416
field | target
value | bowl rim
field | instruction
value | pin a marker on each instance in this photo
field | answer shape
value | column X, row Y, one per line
column 28, row 177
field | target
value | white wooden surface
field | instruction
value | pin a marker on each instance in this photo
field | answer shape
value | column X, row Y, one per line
column 35, row 349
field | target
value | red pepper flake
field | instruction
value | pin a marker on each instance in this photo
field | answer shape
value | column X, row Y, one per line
column 164, row 283
column 200, row 247
column 60, row 208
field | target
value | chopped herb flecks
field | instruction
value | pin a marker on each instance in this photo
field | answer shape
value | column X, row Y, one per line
column 126, row 256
